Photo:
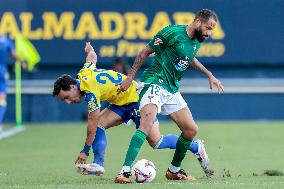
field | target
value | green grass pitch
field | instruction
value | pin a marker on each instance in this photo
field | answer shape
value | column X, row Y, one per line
column 43, row 157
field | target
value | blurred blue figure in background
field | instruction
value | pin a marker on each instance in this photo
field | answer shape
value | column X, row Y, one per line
column 120, row 66
column 6, row 47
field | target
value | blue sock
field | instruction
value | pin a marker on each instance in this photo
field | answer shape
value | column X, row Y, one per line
column 170, row 140
column 193, row 147
column 2, row 113
column 99, row 147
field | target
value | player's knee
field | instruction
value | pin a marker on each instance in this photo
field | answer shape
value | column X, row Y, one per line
column 190, row 132
column 103, row 126
column 195, row 130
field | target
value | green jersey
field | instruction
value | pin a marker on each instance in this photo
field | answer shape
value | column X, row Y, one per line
column 174, row 51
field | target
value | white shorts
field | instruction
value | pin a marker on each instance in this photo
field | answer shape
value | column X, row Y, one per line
column 166, row 102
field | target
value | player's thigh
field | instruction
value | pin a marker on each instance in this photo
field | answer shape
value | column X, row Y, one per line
column 154, row 135
column 184, row 120
column 148, row 115
column 109, row 119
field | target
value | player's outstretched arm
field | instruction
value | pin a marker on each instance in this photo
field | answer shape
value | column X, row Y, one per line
column 212, row 79
column 141, row 57
column 93, row 119
column 91, row 54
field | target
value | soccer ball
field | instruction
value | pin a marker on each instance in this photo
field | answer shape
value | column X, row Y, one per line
column 143, row 171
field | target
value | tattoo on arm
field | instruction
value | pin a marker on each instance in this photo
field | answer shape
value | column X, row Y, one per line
column 141, row 57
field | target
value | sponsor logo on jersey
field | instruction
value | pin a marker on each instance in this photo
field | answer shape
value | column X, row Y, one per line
column 150, row 98
column 182, row 63
column 92, row 105
column 135, row 113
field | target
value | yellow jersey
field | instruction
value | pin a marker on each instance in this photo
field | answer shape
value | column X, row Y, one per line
column 99, row 85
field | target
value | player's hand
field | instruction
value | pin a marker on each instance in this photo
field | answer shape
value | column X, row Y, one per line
column 214, row 81
column 24, row 65
column 124, row 85
column 81, row 159
column 88, row 47
column 91, row 54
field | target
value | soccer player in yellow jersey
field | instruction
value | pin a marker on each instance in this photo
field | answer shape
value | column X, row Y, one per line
column 96, row 85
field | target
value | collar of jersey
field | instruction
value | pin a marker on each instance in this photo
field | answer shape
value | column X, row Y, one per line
column 78, row 84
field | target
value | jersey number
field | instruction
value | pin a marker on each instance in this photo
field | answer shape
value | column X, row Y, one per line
column 101, row 78
column 155, row 89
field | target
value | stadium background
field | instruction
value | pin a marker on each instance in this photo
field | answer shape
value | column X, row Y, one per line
column 245, row 52
column 242, row 128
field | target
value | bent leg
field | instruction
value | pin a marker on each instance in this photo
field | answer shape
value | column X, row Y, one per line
column 169, row 141
column 99, row 147
column 107, row 120
column 183, row 118
column 148, row 116
column 166, row 141
column 149, row 104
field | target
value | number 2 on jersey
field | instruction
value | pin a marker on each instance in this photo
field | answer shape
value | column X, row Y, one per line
column 101, row 78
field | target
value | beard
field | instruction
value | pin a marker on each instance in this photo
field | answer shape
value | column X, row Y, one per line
column 198, row 35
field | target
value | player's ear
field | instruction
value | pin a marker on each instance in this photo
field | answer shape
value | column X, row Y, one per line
column 197, row 23
column 72, row 86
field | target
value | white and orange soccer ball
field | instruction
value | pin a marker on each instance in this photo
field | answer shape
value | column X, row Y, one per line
column 143, row 171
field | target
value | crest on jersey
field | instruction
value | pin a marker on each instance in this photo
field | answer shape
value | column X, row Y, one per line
column 158, row 41
column 150, row 97
column 182, row 63
column 194, row 47
column 91, row 99
column 92, row 105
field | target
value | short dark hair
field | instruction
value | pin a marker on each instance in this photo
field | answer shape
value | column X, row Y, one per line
column 205, row 14
column 63, row 82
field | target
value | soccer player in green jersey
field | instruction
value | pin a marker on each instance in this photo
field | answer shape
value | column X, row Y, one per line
column 175, row 48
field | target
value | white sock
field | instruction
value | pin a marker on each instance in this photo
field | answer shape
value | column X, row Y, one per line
column 125, row 169
column 174, row 169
